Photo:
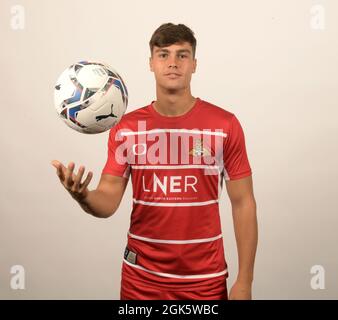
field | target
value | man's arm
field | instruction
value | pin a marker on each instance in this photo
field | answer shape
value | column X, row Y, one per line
column 246, row 232
column 101, row 202
column 105, row 199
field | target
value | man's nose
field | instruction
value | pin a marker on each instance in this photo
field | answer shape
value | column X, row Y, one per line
column 172, row 62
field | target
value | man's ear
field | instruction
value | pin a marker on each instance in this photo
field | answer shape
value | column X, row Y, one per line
column 194, row 66
column 151, row 64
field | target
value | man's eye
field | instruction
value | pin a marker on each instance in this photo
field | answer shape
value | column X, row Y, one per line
column 162, row 55
column 183, row 56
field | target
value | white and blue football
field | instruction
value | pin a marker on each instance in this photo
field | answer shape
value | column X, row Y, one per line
column 90, row 97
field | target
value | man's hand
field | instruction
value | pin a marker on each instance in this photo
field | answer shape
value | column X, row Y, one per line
column 240, row 291
column 72, row 182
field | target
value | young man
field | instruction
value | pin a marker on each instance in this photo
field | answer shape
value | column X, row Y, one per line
column 178, row 150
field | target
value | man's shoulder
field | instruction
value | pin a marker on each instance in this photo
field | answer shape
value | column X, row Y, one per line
column 130, row 117
column 215, row 111
column 136, row 113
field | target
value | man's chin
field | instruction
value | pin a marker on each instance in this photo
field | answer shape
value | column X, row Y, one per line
column 172, row 88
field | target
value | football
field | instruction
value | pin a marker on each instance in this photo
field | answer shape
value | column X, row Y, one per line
column 90, row 97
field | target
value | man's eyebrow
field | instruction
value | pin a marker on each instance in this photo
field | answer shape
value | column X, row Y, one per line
column 184, row 50
column 179, row 51
column 161, row 49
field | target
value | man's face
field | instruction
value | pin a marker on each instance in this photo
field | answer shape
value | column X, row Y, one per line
column 173, row 66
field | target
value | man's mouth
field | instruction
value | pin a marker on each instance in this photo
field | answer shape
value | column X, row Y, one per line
column 173, row 75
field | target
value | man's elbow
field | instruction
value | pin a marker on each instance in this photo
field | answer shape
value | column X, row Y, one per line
column 102, row 215
column 244, row 202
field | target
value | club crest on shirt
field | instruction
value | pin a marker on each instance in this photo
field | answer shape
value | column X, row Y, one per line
column 198, row 149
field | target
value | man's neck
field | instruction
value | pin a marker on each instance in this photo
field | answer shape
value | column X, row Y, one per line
column 174, row 104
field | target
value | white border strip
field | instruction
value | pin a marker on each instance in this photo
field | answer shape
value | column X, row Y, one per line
column 170, row 275
column 175, row 241
column 175, row 204
column 178, row 166
column 211, row 133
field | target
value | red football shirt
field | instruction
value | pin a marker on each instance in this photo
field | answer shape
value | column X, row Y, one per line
column 177, row 166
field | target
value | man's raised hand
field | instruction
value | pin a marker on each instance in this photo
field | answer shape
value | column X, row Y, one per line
column 71, row 181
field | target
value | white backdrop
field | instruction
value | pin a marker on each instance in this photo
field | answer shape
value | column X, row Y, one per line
column 272, row 63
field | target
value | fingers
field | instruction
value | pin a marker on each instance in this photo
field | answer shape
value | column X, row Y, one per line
column 69, row 175
column 71, row 181
column 60, row 169
column 86, row 182
column 55, row 163
column 78, row 179
column 78, row 186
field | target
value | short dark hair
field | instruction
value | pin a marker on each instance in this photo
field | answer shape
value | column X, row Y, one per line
column 169, row 33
